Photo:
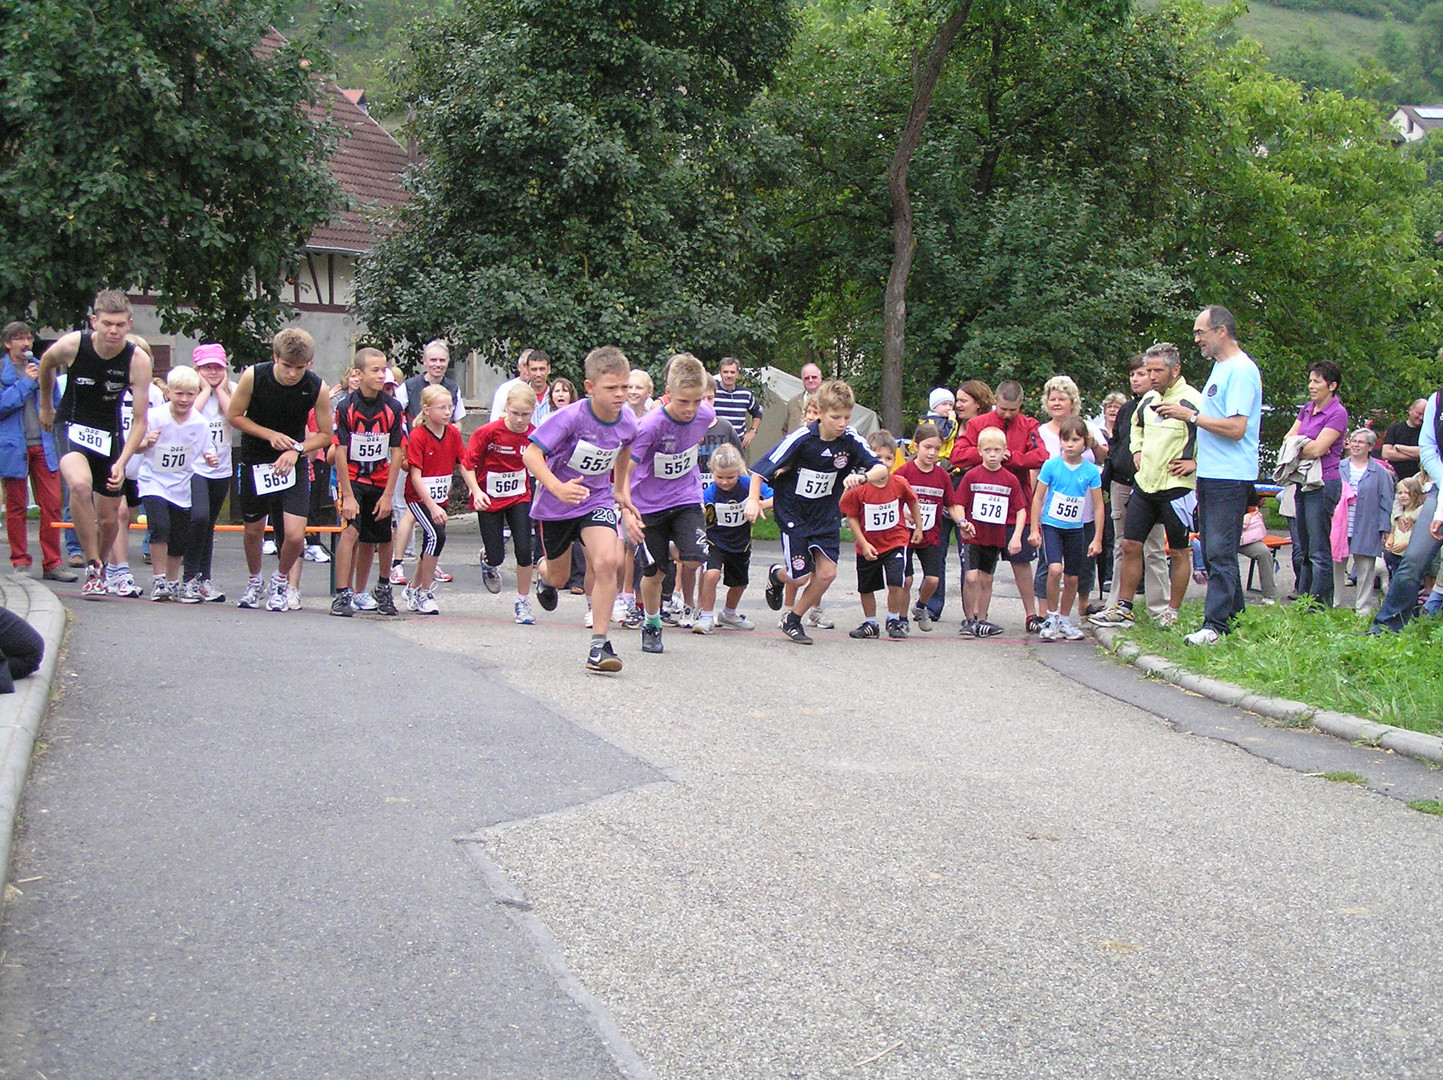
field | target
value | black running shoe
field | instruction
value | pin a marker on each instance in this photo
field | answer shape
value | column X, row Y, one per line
column 1034, row 623
column 793, row 628
column 340, row 605
column 895, row 630
column 985, row 629
column 866, row 630
column 546, row 597
column 601, row 657
column 385, row 603
column 775, row 585
column 650, row 639
column 967, row 629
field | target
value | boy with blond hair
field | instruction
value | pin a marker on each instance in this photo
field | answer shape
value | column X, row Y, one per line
column 990, row 498
column 874, row 514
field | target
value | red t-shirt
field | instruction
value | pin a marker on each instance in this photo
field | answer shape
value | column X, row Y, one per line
column 495, row 454
column 934, row 494
column 991, row 501
column 436, row 458
column 879, row 509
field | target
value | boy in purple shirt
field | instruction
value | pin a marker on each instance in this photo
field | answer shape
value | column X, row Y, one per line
column 572, row 455
column 664, row 492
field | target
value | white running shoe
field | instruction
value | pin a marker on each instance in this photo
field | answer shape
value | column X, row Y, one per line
column 122, row 585
column 734, row 622
column 818, row 618
column 280, row 587
column 1070, row 630
column 618, row 610
column 408, row 597
column 316, row 553
column 523, row 613
column 1166, row 618
column 268, row 546
column 363, row 601
column 1206, row 636
column 687, row 619
column 251, row 598
column 293, row 599
column 1049, row 629
column 398, row 574
column 426, row 603
column 587, row 621
column 704, row 625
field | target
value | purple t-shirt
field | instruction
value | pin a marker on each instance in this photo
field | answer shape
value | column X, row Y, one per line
column 578, row 446
column 1313, row 422
column 665, row 452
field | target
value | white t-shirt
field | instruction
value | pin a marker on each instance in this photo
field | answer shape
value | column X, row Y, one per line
column 220, row 436
column 166, row 468
column 157, row 402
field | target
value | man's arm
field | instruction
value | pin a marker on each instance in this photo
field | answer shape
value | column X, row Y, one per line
column 1398, row 452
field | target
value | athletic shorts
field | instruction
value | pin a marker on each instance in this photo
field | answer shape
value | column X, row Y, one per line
column 889, row 568
column 932, row 560
column 984, row 558
column 168, row 524
column 558, row 536
column 799, row 550
column 130, row 492
column 294, row 500
column 369, row 528
column 1026, row 555
column 735, row 566
column 99, row 466
column 1065, row 546
column 1174, row 508
column 684, row 526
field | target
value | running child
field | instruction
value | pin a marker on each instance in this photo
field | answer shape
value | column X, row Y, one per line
column 874, row 514
column 659, row 487
column 433, row 452
column 990, row 497
column 571, row 455
column 370, row 455
column 503, row 499
column 935, row 494
column 1064, row 486
column 729, row 541
column 182, row 440
column 803, row 470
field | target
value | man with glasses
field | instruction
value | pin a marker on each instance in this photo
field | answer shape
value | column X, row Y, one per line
column 796, row 407
column 1227, row 462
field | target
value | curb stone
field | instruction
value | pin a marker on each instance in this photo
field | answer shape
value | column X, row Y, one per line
column 22, row 711
column 1340, row 725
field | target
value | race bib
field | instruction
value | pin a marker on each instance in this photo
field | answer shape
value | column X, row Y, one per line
column 673, row 466
column 268, row 481
column 813, row 484
column 217, row 431
column 989, row 508
column 438, row 487
column 92, row 439
column 928, row 512
column 730, row 514
column 591, row 460
column 706, row 479
column 505, row 485
column 171, row 458
column 882, row 516
column 1066, row 508
column 369, row 448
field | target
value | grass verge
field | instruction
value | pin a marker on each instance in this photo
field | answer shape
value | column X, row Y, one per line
column 1318, row 657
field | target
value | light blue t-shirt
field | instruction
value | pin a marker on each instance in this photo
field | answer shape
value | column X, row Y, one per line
column 1234, row 388
column 1068, row 491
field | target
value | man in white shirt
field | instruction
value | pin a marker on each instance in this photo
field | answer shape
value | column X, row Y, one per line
column 523, row 374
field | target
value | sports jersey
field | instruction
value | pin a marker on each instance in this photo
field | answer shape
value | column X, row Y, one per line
column 579, row 446
column 879, row 511
column 369, row 429
column 219, row 439
column 1052, row 440
column 727, row 527
column 437, row 459
column 166, row 468
column 934, row 494
column 278, row 407
column 806, row 471
column 494, row 454
column 1068, row 491
column 991, row 499
column 665, row 451
column 93, row 387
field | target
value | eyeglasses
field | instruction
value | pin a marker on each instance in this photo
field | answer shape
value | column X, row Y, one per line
column 1204, row 330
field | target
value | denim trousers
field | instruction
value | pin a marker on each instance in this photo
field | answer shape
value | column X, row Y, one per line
column 1221, row 506
column 1402, row 600
column 1311, row 531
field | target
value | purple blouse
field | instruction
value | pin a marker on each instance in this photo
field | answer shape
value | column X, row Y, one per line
column 1312, row 422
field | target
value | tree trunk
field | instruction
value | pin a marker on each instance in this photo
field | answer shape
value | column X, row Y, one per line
column 904, row 244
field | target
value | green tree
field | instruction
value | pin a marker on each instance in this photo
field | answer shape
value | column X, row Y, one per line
column 588, row 178
column 158, row 146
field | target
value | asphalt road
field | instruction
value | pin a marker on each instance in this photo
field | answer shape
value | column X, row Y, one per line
column 291, row 845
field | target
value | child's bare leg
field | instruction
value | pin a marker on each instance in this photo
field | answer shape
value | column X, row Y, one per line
column 1054, row 585
column 1023, row 573
column 982, row 595
column 869, row 605
column 364, row 554
column 709, row 582
column 824, row 572
column 734, row 595
column 555, row 572
column 971, row 590
column 604, row 555
column 1069, row 593
column 897, row 601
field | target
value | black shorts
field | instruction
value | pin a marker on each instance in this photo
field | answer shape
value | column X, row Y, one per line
column 984, row 558
column 294, row 500
column 130, row 491
column 735, row 566
column 99, row 466
column 889, row 568
column 369, row 528
column 932, row 560
column 798, row 548
column 1026, row 555
column 1065, row 546
column 684, row 526
column 1175, row 508
column 558, row 536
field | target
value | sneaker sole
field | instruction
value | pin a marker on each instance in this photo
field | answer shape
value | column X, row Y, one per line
column 609, row 666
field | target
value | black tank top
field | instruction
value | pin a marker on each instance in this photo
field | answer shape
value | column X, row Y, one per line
column 93, row 387
column 278, row 407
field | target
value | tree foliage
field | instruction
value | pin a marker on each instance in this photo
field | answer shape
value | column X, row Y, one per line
column 588, row 178
column 156, row 146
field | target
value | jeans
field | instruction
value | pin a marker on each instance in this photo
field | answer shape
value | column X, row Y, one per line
column 1402, row 600
column 1312, row 540
column 1222, row 505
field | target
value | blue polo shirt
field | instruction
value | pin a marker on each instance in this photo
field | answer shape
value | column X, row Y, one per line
column 1234, row 388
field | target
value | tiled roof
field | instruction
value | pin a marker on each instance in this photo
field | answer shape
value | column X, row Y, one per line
column 368, row 163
